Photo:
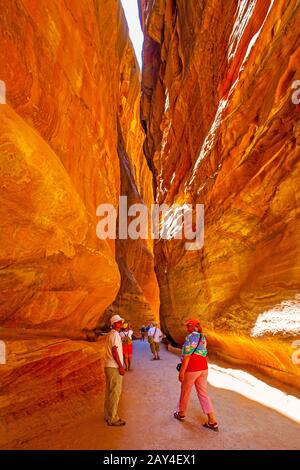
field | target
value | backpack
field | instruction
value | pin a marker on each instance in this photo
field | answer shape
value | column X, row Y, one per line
column 126, row 338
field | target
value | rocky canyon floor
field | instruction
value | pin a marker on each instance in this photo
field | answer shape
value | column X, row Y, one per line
column 150, row 394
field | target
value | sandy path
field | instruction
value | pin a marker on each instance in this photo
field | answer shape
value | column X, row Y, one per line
column 149, row 396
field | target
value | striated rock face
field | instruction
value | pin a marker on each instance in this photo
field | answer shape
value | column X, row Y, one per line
column 73, row 96
column 138, row 297
column 67, row 70
column 222, row 130
column 66, row 377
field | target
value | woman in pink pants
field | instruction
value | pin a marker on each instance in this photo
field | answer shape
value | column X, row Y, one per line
column 194, row 371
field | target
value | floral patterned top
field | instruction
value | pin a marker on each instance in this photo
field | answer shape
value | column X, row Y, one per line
column 198, row 353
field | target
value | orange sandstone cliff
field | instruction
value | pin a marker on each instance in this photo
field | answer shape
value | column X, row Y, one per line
column 217, row 127
column 65, row 72
column 222, row 130
column 72, row 95
column 138, row 297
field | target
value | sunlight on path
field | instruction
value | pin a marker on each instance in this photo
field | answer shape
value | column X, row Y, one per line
column 243, row 405
column 256, row 390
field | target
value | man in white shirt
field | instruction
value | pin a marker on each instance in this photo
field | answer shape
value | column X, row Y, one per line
column 114, row 372
column 154, row 338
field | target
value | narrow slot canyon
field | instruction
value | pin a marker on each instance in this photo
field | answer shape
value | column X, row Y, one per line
column 210, row 117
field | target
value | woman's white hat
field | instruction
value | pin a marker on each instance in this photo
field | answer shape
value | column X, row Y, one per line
column 115, row 319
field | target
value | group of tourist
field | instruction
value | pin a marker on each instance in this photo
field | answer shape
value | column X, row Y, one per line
column 193, row 369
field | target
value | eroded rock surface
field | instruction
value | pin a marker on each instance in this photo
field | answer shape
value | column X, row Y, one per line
column 72, row 92
column 222, row 130
column 69, row 71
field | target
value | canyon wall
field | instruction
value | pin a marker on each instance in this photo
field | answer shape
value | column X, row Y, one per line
column 138, row 296
column 70, row 72
column 222, row 130
column 45, row 384
column 72, row 95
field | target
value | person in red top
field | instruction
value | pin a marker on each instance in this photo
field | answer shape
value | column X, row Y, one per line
column 194, row 371
column 126, row 337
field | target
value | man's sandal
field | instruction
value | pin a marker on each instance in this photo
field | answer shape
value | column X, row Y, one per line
column 178, row 416
column 212, row 426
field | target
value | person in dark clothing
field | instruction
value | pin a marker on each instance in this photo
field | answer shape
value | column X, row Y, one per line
column 143, row 332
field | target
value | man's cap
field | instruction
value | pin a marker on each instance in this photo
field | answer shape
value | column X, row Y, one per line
column 115, row 319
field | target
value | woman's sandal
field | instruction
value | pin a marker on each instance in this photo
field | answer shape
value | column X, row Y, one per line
column 178, row 416
column 212, row 426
